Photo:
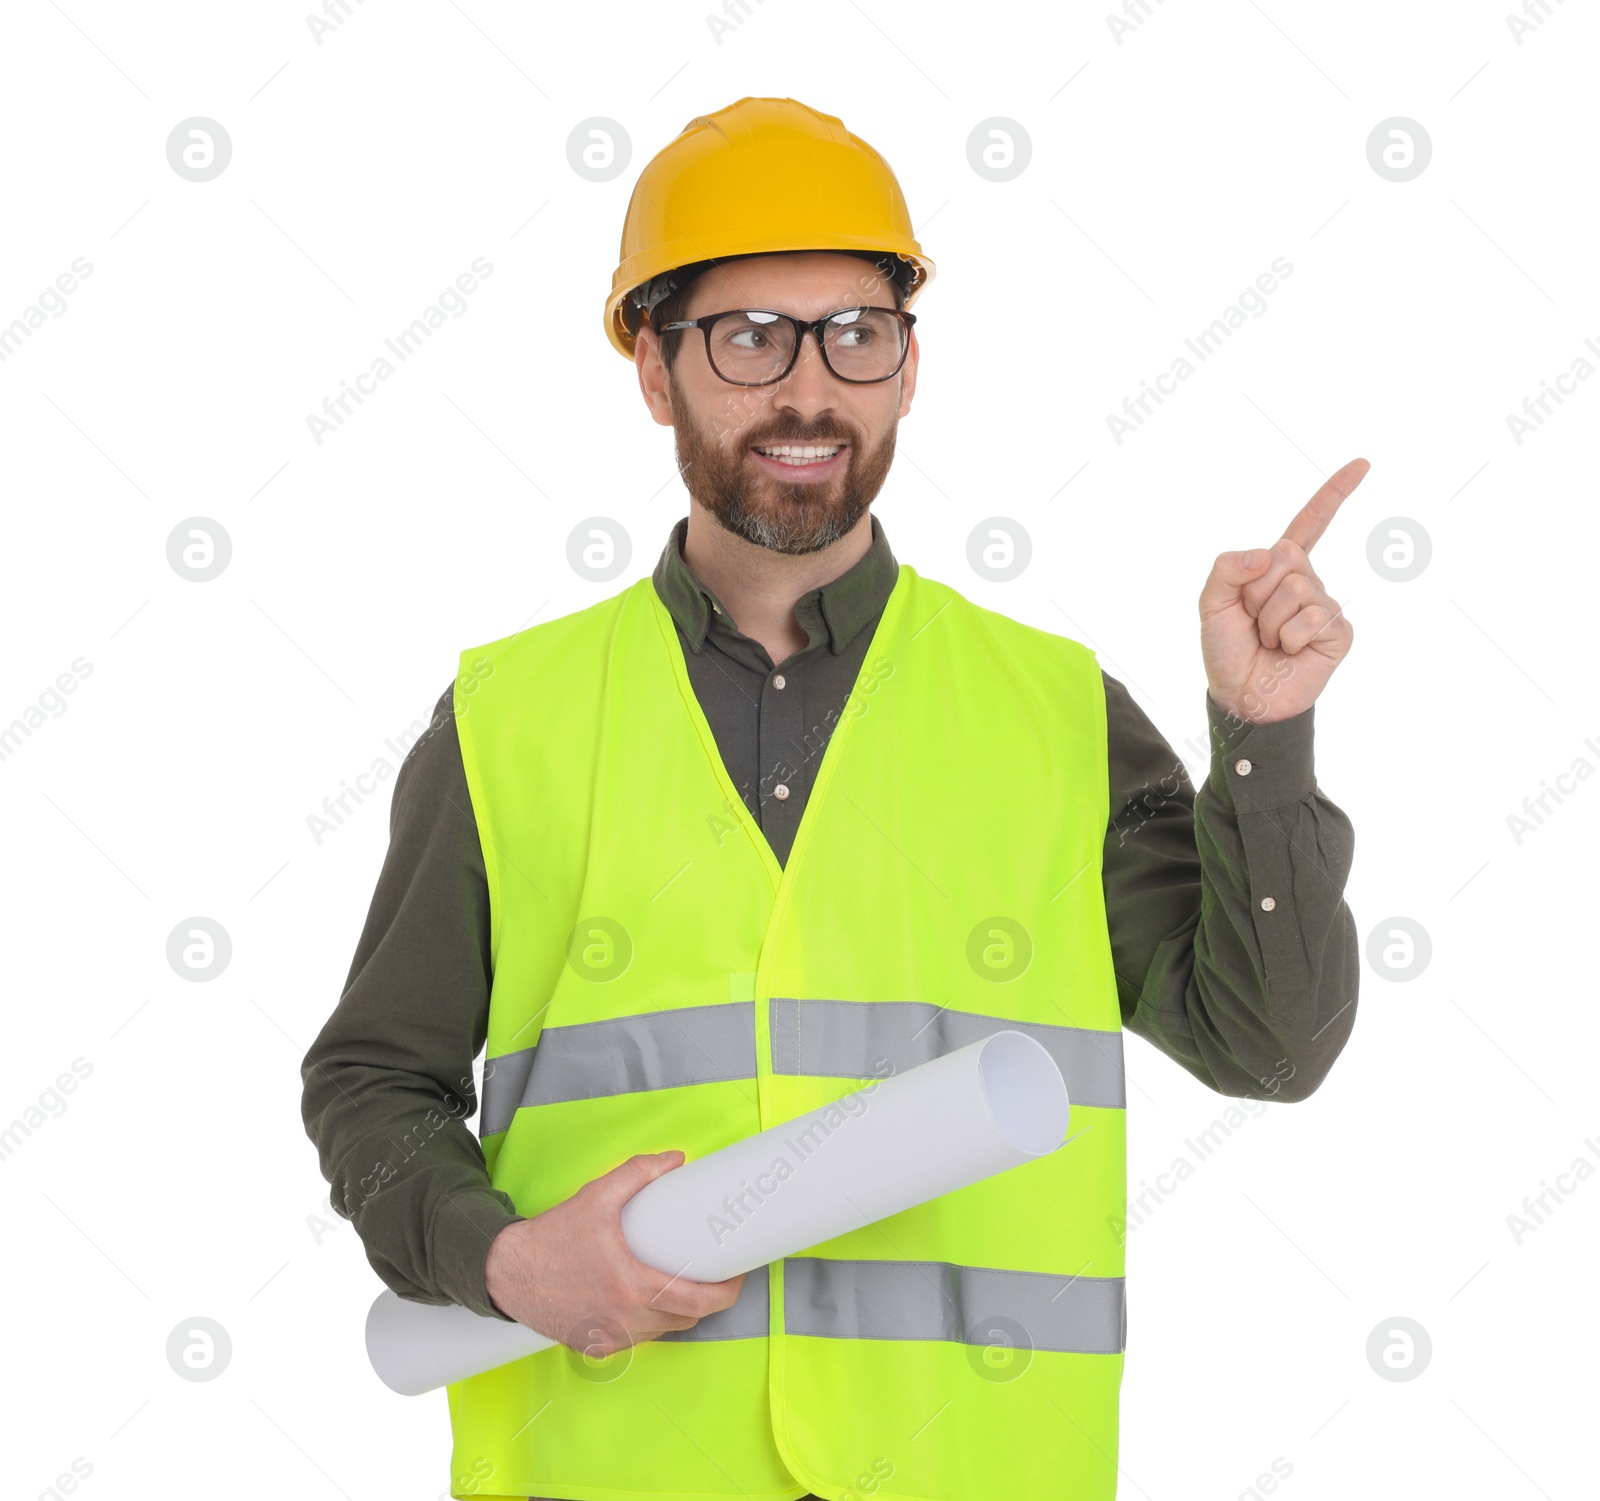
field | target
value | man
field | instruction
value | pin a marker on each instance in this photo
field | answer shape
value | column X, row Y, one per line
column 785, row 815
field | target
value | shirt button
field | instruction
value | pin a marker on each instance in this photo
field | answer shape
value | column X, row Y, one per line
column 778, row 681
column 1268, row 903
column 781, row 790
column 1242, row 767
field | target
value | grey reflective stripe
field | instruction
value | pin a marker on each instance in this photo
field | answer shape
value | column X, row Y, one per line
column 650, row 1050
column 852, row 1038
column 707, row 1044
column 917, row 1300
column 746, row 1319
column 976, row 1305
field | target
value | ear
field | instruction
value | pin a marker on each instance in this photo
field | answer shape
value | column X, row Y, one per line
column 908, row 377
column 655, row 380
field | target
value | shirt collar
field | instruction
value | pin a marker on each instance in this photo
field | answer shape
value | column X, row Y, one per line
column 839, row 609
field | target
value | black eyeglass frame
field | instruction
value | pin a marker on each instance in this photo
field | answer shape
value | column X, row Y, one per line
column 801, row 326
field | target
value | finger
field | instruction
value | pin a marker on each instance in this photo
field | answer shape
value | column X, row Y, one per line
column 1286, row 559
column 1313, row 518
column 1322, row 626
column 615, row 1188
column 606, row 1337
column 679, row 1295
column 647, row 1320
column 595, row 1336
column 1294, row 593
column 1229, row 574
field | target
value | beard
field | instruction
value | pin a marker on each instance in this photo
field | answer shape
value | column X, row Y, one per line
column 715, row 465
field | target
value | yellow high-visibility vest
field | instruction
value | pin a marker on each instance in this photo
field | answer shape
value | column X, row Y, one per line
column 660, row 982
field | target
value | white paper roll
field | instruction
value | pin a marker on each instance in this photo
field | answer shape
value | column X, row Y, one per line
column 895, row 1143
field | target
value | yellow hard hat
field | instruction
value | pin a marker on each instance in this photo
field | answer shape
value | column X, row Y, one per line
column 762, row 175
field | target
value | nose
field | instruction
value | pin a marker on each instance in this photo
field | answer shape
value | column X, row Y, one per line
column 810, row 387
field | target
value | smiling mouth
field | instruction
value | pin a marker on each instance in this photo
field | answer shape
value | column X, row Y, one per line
column 799, row 455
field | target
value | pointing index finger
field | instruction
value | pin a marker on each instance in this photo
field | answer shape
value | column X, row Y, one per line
column 1316, row 513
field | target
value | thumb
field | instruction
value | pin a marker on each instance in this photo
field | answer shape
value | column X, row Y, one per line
column 1229, row 574
column 615, row 1188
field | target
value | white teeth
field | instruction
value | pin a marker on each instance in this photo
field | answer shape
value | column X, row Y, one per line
column 793, row 453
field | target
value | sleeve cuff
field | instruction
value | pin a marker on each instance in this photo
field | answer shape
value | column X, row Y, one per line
column 464, row 1226
column 1256, row 767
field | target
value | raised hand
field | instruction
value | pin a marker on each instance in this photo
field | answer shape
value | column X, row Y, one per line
column 1269, row 632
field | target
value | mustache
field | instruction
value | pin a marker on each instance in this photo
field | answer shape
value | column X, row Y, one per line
column 826, row 435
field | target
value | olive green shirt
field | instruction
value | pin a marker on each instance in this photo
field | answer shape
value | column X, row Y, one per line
column 1235, row 953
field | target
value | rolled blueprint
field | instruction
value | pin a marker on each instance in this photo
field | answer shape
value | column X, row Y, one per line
column 895, row 1143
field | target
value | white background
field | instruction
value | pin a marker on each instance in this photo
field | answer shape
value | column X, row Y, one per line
column 1168, row 170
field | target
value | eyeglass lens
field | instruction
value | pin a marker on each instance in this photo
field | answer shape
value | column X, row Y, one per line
column 861, row 344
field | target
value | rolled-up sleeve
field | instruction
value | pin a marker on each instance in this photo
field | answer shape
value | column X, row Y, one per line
column 388, row 1086
column 1235, row 951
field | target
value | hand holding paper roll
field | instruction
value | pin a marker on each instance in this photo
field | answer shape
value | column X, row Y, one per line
column 975, row 1112
column 568, row 1272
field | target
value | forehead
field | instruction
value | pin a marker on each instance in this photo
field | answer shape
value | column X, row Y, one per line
column 807, row 284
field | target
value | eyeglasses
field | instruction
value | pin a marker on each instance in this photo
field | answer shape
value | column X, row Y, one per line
column 755, row 347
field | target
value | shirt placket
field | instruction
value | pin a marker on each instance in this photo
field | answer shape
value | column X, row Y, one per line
column 785, row 778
